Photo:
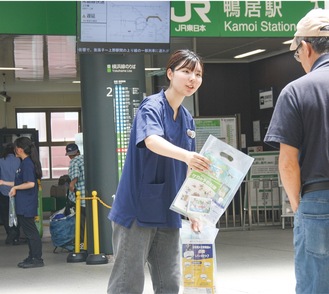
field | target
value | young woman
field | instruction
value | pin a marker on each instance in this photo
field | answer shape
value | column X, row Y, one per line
column 9, row 164
column 25, row 190
column 160, row 151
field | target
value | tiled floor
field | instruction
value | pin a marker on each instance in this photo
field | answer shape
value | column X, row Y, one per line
column 255, row 262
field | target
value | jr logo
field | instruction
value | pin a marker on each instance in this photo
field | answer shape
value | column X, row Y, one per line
column 201, row 11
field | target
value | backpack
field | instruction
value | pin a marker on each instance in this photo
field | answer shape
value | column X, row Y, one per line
column 64, row 180
column 60, row 190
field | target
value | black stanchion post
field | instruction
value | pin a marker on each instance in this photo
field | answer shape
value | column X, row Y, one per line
column 96, row 258
column 77, row 256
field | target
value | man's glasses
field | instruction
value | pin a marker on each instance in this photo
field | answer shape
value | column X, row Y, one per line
column 296, row 55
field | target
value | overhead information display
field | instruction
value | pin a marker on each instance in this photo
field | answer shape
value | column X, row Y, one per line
column 142, row 22
column 124, row 26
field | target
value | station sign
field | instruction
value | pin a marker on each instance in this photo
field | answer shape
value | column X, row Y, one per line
column 238, row 18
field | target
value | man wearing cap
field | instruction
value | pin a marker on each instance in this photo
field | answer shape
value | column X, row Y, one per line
column 77, row 176
column 300, row 128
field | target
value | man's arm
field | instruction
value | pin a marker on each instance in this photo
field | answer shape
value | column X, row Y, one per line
column 290, row 173
column 72, row 184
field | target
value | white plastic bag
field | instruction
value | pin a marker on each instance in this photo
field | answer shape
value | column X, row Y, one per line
column 12, row 212
column 206, row 195
column 198, row 254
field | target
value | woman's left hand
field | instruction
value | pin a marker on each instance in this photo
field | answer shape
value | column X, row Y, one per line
column 195, row 225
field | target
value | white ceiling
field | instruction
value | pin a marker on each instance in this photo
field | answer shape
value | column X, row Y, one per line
column 51, row 64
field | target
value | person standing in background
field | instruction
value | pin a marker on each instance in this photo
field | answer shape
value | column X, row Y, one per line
column 77, row 176
column 160, row 152
column 300, row 128
column 25, row 191
column 9, row 164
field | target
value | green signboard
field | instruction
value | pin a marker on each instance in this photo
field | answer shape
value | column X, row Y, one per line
column 38, row 17
column 238, row 18
column 188, row 18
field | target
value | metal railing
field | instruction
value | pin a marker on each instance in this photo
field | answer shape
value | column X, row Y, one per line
column 257, row 203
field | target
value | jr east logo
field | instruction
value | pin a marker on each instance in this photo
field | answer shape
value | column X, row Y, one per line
column 194, row 19
column 199, row 10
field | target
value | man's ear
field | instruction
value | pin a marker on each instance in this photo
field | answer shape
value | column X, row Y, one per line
column 309, row 49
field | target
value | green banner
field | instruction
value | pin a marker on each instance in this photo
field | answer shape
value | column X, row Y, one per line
column 38, row 17
column 238, row 18
column 188, row 18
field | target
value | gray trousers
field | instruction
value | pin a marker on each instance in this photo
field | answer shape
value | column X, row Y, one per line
column 133, row 247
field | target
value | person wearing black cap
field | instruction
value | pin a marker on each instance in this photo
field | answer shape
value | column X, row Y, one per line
column 77, row 176
column 300, row 128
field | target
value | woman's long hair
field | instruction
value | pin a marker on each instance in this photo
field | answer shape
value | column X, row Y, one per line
column 30, row 150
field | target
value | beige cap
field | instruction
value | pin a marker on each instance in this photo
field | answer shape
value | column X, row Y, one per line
column 311, row 24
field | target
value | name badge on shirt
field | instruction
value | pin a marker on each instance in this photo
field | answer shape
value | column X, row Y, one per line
column 191, row 133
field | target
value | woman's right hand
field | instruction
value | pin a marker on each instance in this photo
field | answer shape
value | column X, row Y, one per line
column 198, row 162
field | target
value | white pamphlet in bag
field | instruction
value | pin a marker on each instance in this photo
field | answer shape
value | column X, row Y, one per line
column 206, row 195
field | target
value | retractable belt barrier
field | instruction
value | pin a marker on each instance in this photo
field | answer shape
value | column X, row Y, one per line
column 82, row 255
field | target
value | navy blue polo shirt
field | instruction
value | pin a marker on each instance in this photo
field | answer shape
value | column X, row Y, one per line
column 26, row 200
column 150, row 182
column 301, row 119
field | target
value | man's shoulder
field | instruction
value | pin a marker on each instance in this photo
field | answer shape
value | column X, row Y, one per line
column 78, row 158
